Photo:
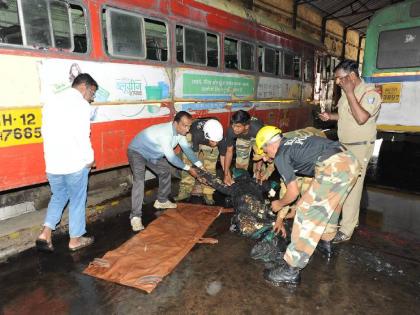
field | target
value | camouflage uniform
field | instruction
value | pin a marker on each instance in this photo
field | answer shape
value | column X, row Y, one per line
column 208, row 156
column 243, row 152
column 320, row 204
column 305, row 182
column 243, row 143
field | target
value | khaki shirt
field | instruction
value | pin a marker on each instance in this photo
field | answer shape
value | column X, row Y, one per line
column 348, row 129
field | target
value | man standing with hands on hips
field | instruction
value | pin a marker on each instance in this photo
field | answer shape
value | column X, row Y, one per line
column 358, row 110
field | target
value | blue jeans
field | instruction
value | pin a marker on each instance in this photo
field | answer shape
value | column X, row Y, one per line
column 67, row 187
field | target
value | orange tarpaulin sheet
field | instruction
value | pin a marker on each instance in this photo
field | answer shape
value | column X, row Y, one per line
column 146, row 258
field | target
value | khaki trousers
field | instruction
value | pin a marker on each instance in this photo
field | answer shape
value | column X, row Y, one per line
column 351, row 206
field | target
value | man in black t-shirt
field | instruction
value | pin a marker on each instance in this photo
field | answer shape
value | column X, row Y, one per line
column 334, row 171
column 243, row 130
column 204, row 137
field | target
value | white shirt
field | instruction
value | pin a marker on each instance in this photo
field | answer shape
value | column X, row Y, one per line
column 66, row 133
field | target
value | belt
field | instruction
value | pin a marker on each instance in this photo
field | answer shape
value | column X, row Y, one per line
column 359, row 143
column 331, row 152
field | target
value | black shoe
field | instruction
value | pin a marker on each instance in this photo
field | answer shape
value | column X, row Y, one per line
column 340, row 237
column 325, row 247
column 282, row 274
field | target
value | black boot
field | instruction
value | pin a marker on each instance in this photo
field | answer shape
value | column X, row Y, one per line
column 282, row 274
column 325, row 247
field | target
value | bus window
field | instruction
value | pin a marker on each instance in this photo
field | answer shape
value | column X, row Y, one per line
column 46, row 24
column 79, row 29
column 195, row 46
column 60, row 18
column 415, row 9
column 36, row 23
column 328, row 68
column 10, row 32
column 288, row 64
column 202, row 48
column 260, row 58
column 399, row 48
column 212, row 50
column 309, row 70
column 179, row 43
column 247, row 56
column 278, row 62
column 156, row 40
column 231, row 53
column 297, row 67
column 125, row 34
column 269, row 60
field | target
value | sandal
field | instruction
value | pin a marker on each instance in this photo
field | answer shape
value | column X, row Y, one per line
column 44, row 246
column 84, row 242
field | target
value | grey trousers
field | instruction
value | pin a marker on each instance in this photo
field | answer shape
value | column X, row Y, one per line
column 138, row 165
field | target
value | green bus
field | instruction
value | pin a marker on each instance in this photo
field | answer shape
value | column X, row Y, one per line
column 392, row 60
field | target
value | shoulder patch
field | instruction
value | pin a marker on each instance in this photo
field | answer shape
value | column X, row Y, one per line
column 371, row 100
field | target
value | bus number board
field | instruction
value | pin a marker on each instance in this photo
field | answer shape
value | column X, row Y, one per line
column 20, row 126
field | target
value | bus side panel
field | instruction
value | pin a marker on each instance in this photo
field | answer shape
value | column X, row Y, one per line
column 110, row 140
column 15, row 162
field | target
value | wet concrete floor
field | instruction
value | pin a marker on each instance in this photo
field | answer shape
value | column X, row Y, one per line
column 377, row 272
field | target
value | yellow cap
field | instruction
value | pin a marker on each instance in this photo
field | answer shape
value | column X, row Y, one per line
column 264, row 135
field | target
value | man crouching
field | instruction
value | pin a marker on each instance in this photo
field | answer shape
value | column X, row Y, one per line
column 334, row 171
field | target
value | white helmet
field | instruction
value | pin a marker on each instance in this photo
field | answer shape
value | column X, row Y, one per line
column 213, row 130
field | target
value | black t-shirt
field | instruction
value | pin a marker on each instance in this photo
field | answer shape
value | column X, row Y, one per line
column 197, row 134
column 299, row 155
column 254, row 126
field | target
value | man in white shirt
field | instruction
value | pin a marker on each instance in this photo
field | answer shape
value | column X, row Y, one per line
column 68, row 157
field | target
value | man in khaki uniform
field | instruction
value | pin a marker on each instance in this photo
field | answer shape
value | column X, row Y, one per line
column 204, row 138
column 358, row 109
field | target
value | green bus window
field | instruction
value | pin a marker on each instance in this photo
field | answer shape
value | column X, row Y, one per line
column 125, row 34
column 415, row 9
column 212, row 50
column 269, row 60
column 10, row 32
column 247, row 56
column 288, row 64
column 156, row 40
column 231, row 53
column 399, row 48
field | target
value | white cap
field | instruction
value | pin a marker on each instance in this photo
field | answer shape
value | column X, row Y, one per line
column 213, row 130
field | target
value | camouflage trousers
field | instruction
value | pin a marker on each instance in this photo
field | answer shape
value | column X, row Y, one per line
column 208, row 156
column 320, row 205
column 243, row 152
